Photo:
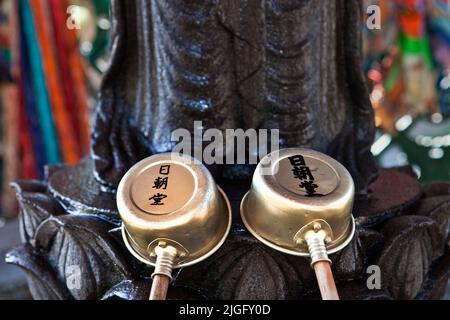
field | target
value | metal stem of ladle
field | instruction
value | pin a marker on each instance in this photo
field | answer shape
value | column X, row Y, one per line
column 162, row 276
column 316, row 239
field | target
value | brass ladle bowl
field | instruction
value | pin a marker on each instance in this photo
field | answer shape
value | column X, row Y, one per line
column 277, row 210
column 173, row 213
column 300, row 203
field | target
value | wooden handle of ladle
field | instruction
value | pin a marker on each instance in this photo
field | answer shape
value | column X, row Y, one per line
column 325, row 280
column 321, row 263
column 160, row 286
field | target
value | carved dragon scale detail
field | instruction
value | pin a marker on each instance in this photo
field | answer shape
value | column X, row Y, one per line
column 288, row 65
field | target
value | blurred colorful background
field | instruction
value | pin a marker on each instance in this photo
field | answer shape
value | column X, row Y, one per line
column 52, row 55
column 407, row 64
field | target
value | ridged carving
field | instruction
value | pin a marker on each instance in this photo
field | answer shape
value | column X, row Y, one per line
column 287, row 65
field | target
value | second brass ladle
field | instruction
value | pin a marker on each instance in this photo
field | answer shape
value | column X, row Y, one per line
column 300, row 203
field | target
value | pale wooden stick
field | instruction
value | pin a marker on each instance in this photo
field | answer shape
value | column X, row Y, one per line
column 160, row 287
column 325, row 280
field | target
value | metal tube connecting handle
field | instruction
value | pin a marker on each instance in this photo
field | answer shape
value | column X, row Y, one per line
column 162, row 276
column 321, row 264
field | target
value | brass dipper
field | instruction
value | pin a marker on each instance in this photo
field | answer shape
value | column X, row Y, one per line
column 173, row 215
column 300, row 203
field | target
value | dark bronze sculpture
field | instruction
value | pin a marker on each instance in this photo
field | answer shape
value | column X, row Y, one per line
column 288, row 65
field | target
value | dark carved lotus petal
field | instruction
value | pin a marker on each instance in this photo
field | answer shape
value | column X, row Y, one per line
column 357, row 290
column 348, row 264
column 50, row 169
column 434, row 189
column 129, row 290
column 437, row 281
column 412, row 243
column 372, row 243
column 438, row 209
column 35, row 207
column 42, row 281
column 140, row 290
column 81, row 245
column 22, row 186
column 393, row 192
column 245, row 269
column 255, row 273
column 77, row 190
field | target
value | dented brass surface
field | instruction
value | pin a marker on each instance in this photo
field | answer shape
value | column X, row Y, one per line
column 173, row 199
column 294, row 189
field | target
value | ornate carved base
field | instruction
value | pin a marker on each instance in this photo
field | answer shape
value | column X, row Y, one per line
column 72, row 250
